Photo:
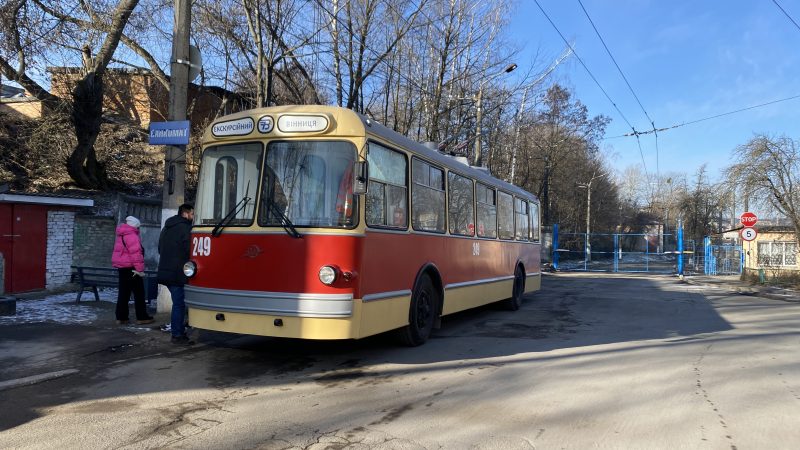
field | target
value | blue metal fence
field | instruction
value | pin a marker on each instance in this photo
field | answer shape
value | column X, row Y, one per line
column 642, row 252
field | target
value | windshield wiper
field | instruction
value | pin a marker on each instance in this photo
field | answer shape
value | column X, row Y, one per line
column 232, row 213
column 285, row 222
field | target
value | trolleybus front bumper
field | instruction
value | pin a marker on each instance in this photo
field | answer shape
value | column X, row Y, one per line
column 276, row 303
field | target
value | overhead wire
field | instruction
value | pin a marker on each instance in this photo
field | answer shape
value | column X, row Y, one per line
column 622, row 74
column 639, row 133
column 786, row 13
column 591, row 75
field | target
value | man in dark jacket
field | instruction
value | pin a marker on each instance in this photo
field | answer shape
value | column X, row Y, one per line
column 173, row 248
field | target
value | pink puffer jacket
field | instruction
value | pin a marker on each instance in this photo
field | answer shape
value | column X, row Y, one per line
column 128, row 249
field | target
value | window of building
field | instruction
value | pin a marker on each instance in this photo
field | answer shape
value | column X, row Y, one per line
column 521, row 219
column 427, row 197
column 505, row 215
column 775, row 254
column 487, row 211
column 387, row 194
column 461, row 205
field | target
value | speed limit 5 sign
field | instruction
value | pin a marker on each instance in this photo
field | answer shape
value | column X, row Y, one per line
column 748, row 233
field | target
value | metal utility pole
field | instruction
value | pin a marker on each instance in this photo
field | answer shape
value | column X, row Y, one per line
column 175, row 161
column 516, row 136
column 588, row 221
column 588, row 187
column 476, row 157
column 559, row 60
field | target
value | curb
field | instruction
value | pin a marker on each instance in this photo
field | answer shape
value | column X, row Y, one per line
column 33, row 379
column 749, row 291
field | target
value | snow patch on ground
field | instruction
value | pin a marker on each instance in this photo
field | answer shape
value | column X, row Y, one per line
column 61, row 308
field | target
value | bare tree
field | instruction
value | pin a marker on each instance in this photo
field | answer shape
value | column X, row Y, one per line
column 769, row 168
column 701, row 205
column 364, row 34
column 87, row 31
column 561, row 134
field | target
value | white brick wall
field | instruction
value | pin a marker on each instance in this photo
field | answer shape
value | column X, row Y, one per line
column 60, row 226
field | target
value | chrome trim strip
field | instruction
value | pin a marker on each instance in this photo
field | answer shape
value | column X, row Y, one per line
column 473, row 283
column 532, row 274
column 278, row 303
column 382, row 295
column 471, row 238
column 387, row 231
column 259, row 231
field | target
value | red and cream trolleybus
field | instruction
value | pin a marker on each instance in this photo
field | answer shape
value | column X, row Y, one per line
column 315, row 222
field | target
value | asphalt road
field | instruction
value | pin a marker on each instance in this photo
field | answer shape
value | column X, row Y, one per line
column 591, row 361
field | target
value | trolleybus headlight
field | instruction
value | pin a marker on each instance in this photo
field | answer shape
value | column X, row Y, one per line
column 189, row 268
column 328, row 274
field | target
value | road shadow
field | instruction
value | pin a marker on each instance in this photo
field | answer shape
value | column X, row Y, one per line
column 571, row 311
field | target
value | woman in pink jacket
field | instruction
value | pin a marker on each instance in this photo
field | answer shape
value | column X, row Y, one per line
column 128, row 259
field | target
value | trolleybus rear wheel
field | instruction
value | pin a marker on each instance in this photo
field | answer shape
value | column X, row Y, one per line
column 422, row 314
column 515, row 301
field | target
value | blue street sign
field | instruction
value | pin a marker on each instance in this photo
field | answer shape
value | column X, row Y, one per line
column 169, row 133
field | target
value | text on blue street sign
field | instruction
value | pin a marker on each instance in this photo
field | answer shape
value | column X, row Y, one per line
column 169, row 133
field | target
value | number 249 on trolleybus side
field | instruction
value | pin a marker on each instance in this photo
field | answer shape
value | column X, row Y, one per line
column 315, row 222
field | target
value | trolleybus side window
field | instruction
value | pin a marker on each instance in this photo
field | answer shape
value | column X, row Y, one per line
column 228, row 174
column 427, row 197
column 521, row 219
column 310, row 183
column 387, row 194
column 487, row 211
column 505, row 215
column 461, row 205
column 225, row 175
column 534, row 221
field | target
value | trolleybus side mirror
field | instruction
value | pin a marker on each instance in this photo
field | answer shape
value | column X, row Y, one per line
column 361, row 174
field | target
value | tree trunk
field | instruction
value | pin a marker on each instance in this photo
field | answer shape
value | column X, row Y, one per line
column 87, row 115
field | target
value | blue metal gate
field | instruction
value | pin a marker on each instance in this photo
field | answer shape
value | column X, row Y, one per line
column 723, row 259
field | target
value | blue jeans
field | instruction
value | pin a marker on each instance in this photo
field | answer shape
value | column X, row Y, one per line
column 178, row 310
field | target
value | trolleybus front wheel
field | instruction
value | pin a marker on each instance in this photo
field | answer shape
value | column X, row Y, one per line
column 422, row 314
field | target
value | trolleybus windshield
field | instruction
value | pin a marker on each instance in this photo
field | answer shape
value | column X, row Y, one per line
column 310, row 183
column 228, row 173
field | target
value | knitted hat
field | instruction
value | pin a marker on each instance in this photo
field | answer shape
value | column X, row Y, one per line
column 133, row 221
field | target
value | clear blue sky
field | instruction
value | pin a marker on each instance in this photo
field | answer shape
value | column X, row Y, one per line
column 685, row 60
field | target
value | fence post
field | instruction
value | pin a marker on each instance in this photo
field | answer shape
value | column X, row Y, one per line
column 680, row 248
column 614, row 255
column 708, row 251
column 586, row 254
column 555, row 246
column 741, row 254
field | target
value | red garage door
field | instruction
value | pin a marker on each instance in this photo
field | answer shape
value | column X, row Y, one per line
column 23, row 242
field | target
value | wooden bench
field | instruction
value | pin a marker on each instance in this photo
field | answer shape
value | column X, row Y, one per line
column 93, row 277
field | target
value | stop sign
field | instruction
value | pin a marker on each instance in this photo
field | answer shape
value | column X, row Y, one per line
column 748, row 219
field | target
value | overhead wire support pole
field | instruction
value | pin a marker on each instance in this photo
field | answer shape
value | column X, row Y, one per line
column 564, row 55
column 174, row 164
